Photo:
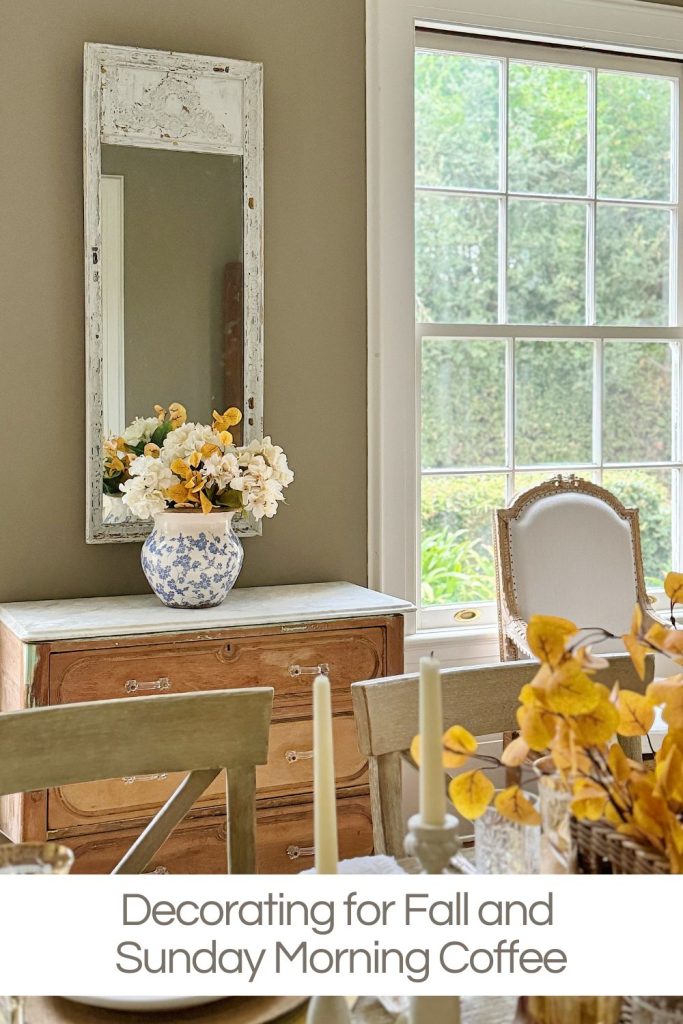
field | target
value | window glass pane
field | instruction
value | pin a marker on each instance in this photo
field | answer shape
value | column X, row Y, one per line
column 634, row 136
column 632, row 266
column 456, row 259
column 546, row 262
column 548, row 129
column 648, row 490
column 554, row 402
column 637, row 402
column 457, row 127
column 457, row 554
column 463, row 402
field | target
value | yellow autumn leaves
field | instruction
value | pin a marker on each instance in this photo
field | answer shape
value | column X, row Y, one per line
column 472, row 791
column 567, row 712
column 563, row 710
column 190, row 491
column 222, row 421
column 175, row 417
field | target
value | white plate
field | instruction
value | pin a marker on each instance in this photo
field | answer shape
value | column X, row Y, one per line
column 145, row 1004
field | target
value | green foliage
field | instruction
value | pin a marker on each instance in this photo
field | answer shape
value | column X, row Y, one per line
column 111, row 484
column 457, row 557
column 457, row 251
column 457, row 146
column 457, row 554
column 161, row 433
column 463, row 403
column 650, row 492
column 455, row 568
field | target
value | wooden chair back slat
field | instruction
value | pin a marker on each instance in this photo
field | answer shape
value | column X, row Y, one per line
column 484, row 699
column 47, row 747
column 199, row 733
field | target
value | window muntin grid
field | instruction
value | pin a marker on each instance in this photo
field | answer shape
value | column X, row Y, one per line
column 513, row 471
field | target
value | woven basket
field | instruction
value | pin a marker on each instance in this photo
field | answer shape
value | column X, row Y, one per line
column 601, row 850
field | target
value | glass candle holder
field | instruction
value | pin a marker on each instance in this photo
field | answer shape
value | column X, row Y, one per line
column 503, row 847
column 554, row 802
column 573, row 1009
column 35, row 859
column 11, row 1011
column 656, row 1009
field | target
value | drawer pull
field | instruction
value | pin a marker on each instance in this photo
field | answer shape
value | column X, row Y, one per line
column 133, row 686
column 130, row 779
column 311, row 670
column 294, row 852
column 292, row 756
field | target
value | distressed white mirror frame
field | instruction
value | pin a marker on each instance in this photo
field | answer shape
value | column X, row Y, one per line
column 175, row 101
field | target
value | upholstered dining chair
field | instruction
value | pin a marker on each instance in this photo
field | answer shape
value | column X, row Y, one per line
column 199, row 733
column 483, row 698
column 570, row 548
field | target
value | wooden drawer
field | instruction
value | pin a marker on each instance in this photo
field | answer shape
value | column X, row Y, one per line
column 195, row 847
column 287, row 773
column 283, row 832
column 279, row 660
column 199, row 846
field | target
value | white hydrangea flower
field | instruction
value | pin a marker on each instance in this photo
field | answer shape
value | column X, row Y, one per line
column 155, row 475
column 191, row 437
column 141, row 429
column 220, row 469
column 144, row 492
column 261, row 491
column 274, row 454
column 143, row 502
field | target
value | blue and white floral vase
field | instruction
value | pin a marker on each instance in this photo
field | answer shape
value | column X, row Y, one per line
column 192, row 560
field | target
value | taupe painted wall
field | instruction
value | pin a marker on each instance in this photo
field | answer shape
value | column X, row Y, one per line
column 315, row 393
column 182, row 224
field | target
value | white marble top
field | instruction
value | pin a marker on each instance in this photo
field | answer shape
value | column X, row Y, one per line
column 33, row 621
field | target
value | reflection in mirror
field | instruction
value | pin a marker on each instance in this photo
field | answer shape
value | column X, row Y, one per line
column 172, row 273
column 171, row 286
column 172, row 282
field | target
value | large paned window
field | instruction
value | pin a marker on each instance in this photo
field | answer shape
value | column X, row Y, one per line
column 547, row 296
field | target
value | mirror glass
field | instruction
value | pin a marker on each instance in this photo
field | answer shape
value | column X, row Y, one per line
column 171, row 282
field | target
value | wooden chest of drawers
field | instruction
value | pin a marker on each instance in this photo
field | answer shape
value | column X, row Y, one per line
column 56, row 653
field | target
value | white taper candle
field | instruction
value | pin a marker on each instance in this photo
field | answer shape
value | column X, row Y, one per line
column 325, row 806
column 432, row 781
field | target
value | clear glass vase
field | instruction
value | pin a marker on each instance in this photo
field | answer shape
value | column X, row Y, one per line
column 503, row 847
column 35, row 859
column 554, row 803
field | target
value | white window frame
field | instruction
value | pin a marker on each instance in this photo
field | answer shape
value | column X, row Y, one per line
column 632, row 27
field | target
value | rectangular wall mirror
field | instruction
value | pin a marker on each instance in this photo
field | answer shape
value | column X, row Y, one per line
column 173, row 162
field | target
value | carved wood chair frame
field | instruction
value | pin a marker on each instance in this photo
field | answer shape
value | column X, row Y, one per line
column 511, row 625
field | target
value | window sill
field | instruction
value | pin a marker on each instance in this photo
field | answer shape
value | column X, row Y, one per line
column 464, row 646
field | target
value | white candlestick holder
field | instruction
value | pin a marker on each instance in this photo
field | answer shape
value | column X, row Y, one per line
column 433, row 845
